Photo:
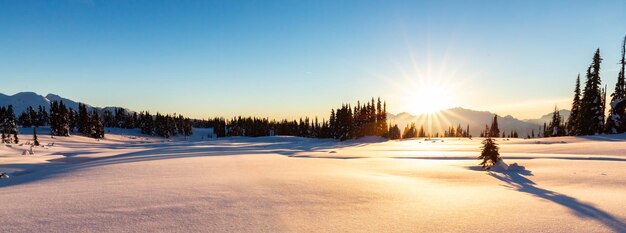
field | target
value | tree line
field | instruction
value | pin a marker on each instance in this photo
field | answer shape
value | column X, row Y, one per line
column 346, row 122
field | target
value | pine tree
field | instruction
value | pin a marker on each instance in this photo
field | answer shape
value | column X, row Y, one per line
column 83, row 120
column 489, row 154
column 97, row 128
column 556, row 126
column 616, row 122
column 592, row 115
column 494, row 131
column 394, row 133
column 574, row 117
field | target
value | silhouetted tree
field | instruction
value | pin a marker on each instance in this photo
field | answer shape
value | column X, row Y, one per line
column 592, row 114
column 573, row 122
column 616, row 122
column 394, row 133
column 494, row 131
column 489, row 154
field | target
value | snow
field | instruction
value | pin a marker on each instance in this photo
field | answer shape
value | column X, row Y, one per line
column 132, row 183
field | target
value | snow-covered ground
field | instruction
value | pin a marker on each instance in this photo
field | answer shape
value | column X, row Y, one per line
column 132, row 183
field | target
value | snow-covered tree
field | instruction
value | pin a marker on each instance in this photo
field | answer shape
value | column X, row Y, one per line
column 97, row 128
column 8, row 125
column 556, row 127
column 59, row 119
column 616, row 122
column 573, row 121
column 592, row 109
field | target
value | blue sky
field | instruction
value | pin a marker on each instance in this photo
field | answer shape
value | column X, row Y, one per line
column 300, row 58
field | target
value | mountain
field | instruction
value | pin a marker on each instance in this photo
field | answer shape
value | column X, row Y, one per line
column 440, row 121
column 548, row 117
column 22, row 100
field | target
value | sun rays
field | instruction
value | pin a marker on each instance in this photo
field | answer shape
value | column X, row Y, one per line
column 427, row 85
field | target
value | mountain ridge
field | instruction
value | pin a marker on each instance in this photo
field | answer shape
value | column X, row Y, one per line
column 22, row 100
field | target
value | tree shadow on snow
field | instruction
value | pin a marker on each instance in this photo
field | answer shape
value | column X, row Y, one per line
column 515, row 178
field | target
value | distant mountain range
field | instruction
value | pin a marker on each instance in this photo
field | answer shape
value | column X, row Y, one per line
column 548, row 117
column 439, row 121
column 21, row 101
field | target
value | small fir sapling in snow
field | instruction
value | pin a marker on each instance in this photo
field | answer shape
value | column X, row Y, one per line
column 35, row 140
column 15, row 139
column 489, row 154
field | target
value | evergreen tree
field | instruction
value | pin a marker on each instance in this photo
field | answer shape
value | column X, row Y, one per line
column 592, row 115
column 574, row 117
column 494, row 131
column 556, row 127
column 410, row 131
column 394, row 132
column 42, row 117
column 8, row 124
column 489, row 154
column 616, row 122
column 84, row 124
column 96, row 126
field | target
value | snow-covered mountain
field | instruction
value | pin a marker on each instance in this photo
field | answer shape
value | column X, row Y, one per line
column 22, row 100
column 440, row 121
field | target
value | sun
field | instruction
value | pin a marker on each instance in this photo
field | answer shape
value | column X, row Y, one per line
column 429, row 98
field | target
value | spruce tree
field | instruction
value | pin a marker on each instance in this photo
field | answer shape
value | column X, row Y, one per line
column 616, row 122
column 394, row 133
column 489, row 154
column 592, row 115
column 97, row 128
column 556, row 126
column 494, row 131
column 574, row 117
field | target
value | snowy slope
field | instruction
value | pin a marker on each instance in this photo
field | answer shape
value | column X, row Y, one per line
column 127, row 183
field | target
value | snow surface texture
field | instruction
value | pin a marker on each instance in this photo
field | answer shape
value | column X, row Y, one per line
column 132, row 183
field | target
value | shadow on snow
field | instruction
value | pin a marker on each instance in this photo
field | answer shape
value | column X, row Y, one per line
column 515, row 178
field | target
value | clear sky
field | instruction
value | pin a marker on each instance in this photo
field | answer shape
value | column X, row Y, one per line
column 300, row 58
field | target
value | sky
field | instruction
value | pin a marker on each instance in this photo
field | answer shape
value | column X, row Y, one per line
column 286, row 59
